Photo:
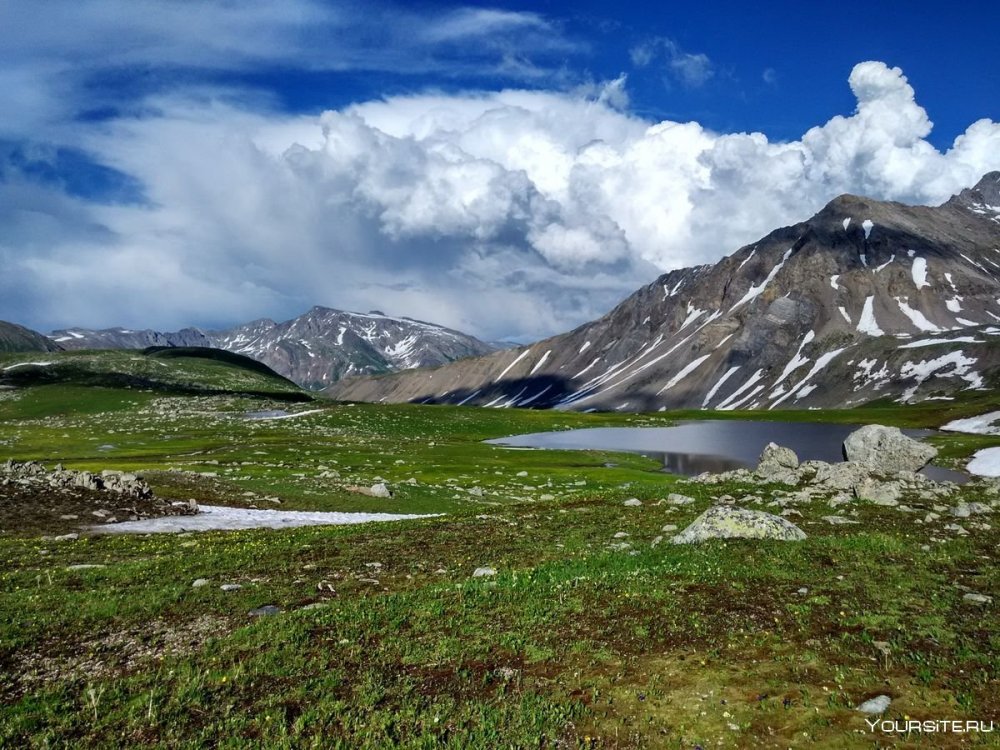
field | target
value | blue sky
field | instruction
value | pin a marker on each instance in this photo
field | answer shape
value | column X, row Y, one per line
column 510, row 169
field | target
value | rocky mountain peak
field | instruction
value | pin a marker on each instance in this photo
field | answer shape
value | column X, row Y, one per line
column 865, row 300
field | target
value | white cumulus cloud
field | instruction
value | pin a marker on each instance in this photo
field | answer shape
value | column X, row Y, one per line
column 509, row 214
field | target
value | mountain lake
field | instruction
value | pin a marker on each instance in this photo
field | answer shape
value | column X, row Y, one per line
column 690, row 448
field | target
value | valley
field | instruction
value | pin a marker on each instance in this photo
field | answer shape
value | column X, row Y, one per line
column 545, row 605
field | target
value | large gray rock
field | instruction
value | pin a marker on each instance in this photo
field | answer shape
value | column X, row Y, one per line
column 728, row 522
column 840, row 476
column 887, row 450
column 778, row 464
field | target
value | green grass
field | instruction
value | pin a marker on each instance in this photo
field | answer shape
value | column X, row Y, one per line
column 575, row 643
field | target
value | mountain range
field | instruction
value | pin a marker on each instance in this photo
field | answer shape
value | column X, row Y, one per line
column 866, row 300
column 314, row 350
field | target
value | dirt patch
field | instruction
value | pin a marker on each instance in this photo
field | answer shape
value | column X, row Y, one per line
column 111, row 654
column 33, row 509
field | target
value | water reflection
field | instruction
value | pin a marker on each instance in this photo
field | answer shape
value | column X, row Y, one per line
column 691, row 448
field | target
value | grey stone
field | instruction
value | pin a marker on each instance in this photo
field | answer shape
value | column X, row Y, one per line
column 887, row 449
column 841, row 476
column 483, row 572
column 632, row 503
column 778, row 464
column 675, row 499
column 266, row 611
column 973, row 598
column 380, row 490
column 727, row 522
column 199, row 582
column 230, row 587
column 880, row 493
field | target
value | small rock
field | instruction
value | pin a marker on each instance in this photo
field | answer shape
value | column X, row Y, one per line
column 621, row 535
column 876, row 705
column 85, row 566
column 266, row 611
column 380, row 490
column 230, row 587
column 978, row 598
column 66, row 537
column 674, row 499
column 481, row 572
column 199, row 582
column 632, row 503
column 838, row 520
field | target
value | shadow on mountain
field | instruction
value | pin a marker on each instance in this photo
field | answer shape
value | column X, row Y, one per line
column 541, row 392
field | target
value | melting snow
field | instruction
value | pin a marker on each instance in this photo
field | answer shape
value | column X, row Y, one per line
column 847, row 223
column 866, row 371
column 984, row 424
column 747, row 258
column 833, row 281
column 685, row 371
column 536, row 396
column 723, row 340
column 821, row 362
column 27, row 364
column 729, row 404
column 867, row 323
column 540, row 362
column 693, row 314
column 916, row 317
column 919, row 272
column 954, row 304
column 798, row 360
column 507, row 369
column 584, row 348
column 867, row 225
column 891, row 259
column 925, row 369
column 964, row 322
column 985, row 463
column 220, row 518
column 718, row 384
column 846, row 316
column 933, row 342
column 756, row 290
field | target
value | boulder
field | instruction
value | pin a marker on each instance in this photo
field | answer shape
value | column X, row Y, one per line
column 841, row 476
column 380, row 490
column 778, row 464
column 729, row 522
column 880, row 493
column 887, row 450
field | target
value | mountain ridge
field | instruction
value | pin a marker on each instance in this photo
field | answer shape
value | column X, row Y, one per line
column 314, row 349
column 841, row 292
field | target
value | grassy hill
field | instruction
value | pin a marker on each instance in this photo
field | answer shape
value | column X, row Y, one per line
column 190, row 371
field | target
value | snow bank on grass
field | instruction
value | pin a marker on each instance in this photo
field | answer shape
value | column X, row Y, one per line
column 981, row 425
column 220, row 518
column 986, row 463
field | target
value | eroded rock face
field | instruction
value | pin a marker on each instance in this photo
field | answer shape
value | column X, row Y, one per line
column 887, row 449
column 728, row 522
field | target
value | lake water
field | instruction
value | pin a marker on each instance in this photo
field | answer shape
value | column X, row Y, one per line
column 691, row 448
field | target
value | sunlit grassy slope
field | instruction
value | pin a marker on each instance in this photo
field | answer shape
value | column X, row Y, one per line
column 588, row 636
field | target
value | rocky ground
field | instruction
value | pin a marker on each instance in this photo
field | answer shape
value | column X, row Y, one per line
column 65, row 503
